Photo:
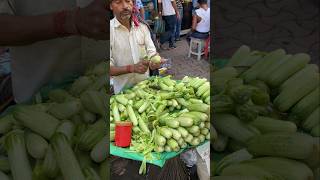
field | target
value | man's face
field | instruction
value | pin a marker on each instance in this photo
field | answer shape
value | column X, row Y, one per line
column 122, row 9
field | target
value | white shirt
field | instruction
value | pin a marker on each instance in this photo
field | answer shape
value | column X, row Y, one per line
column 126, row 47
column 167, row 8
column 50, row 61
column 204, row 24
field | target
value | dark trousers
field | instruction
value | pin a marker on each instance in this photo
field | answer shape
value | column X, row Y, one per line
column 169, row 35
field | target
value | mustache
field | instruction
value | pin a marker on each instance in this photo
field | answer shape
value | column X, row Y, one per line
column 128, row 11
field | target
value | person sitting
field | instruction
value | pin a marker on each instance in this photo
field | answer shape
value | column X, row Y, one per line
column 201, row 21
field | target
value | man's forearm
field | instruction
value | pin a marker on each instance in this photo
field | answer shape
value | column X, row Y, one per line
column 119, row 70
column 160, row 7
column 22, row 30
column 142, row 13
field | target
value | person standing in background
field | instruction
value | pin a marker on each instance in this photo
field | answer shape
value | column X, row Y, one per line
column 140, row 8
column 169, row 11
column 201, row 21
column 179, row 21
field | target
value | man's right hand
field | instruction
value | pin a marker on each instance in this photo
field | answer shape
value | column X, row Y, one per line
column 141, row 67
column 91, row 21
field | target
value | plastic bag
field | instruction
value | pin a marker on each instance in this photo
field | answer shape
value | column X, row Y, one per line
column 159, row 25
column 189, row 158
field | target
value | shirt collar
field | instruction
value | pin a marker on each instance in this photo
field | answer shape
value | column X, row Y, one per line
column 117, row 23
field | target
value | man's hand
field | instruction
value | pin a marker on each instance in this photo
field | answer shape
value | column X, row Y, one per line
column 178, row 15
column 141, row 67
column 154, row 66
column 91, row 21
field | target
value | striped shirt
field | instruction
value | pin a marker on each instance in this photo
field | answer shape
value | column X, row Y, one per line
column 179, row 4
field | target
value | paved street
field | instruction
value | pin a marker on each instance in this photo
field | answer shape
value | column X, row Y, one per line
column 266, row 25
column 184, row 66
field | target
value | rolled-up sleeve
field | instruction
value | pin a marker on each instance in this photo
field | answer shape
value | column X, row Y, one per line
column 6, row 7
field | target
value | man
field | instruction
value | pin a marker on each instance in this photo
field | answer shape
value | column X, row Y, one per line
column 51, row 40
column 179, row 21
column 130, row 41
column 169, row 11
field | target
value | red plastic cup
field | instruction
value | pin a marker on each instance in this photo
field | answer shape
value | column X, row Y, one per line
column 123, row 134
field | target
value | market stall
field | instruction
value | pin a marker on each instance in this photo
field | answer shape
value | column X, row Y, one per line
column 266, row 121
column 167, row 118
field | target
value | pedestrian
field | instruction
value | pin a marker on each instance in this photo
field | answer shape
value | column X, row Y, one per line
column 179, row 21
column 169, row 11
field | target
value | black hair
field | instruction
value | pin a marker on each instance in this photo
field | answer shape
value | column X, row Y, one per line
column 202, row 1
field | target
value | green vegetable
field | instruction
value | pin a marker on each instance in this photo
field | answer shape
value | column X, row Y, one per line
column 165, row 132
column 287, row 168
column 17, row 155
column 240, row 94
column 315, row 131
column 159, row 149
column 195, row 141
column 233, row 158
column 66, row 159
column 115, row 112
column 312, row 120
column 59, row 95
column 132, row 115
column 92, row 135
column 121, row 99
column 143, row 125
column 246, row 112
column 172, row 123
column 281, row 144
column 260, row 97
column 3, row 176
column 184, row 133
column 104, row 170
column 193, row 129
column 253, row 72
column 6, row 123
column 232, row 126
column 94, row 101
column 68, row 129
column 287, row 69
column 306, row 71
column 87, row 117
column 99, row 151
column 290, row 96
column 159, row 140
column 250, row 170
column 220, row 143
column 4, row 164
column 201, row 107
column 175, row 134
column 50, row 166
column 80, row 85
column 222, row 104
column 36, row 145
column 39, row 122
column 173, row 144
column 90, row 173
column 305, row 106
column 267, row 124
